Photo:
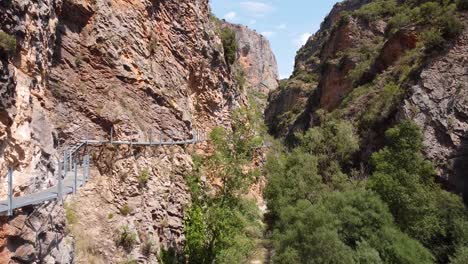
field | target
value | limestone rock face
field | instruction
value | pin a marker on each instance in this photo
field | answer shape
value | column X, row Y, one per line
column 256, row 59
column 81, row 68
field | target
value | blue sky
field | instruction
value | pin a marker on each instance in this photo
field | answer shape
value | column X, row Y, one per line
column 286, row 23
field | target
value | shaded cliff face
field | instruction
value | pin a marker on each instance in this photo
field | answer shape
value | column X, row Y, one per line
column 256, row 59
column 84, row 67
column 364, row 67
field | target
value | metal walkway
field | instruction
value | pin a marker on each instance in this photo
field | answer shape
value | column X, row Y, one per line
column 74, row 172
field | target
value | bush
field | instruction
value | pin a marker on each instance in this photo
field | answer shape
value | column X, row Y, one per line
column 460, row 257
column 7, row 42
column 70, row 215
column 432, row 39
column 451, row 26
column 125, row 210
column 405, row 181
column 228, row 38
column 143, row 178
column 127, row 239
column 376, row 9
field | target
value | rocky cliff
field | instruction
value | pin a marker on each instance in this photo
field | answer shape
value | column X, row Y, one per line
column 83, row 67
column 256, row 59
column 377, row 62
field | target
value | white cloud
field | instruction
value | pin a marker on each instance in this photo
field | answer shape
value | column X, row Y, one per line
column 268, row 34
column 256, row 8
column 284, row 76
column 281, row 26
column 230, row 16
column 302, row 39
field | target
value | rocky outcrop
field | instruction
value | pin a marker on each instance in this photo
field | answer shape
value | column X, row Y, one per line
column 83, row 67
column 256, row 59
column 354, row 68
column 439, row 104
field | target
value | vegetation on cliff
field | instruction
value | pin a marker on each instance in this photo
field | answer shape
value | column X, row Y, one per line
column 7, row 42
column 221, row 225
column 322, row 212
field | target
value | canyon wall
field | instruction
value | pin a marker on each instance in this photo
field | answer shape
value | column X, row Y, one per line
column 84, row 67
column 256, row 59
column 361, row 68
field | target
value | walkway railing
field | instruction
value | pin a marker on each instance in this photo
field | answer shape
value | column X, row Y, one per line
column 72, row 175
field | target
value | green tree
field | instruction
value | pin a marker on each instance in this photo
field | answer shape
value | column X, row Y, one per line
column 230, row 45
column 221, row 225
column 405, row 181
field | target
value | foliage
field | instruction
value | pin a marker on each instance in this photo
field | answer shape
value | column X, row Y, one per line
column 230, row 45
column 432, row 39
column 240, row 79
column 343, row 227
column 383, row 104
column 143, row 178
column 460, row 257
column 127, row 239
column 405, row 181
column 376, row 9
column 221, row 225
column 125, row 210
column 7, row 42
column 438, row 16
column 70, row 215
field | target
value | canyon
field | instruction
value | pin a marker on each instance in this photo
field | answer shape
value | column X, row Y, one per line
column 135, row 70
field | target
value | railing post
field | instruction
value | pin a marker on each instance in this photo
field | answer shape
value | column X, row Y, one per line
column 87, row 166
column 149, row 135
column 65, row 161
column 75, row 183
column 160, row 137
column 111, row 134
column 70, row 163
column 83, row 165
column 172, row 137
column 59, row 186
column 10, row 191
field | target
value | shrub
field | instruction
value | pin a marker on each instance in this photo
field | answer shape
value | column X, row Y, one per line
column 127, row 239
column 125, row 210
column 143, row 178
column 432, row 39
column 376, row 9
column 405, row 181
column 70, row 215
column 228, row 38
column 240, row 79
column 451, row 26
column 460, row 257
column 7, row 42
